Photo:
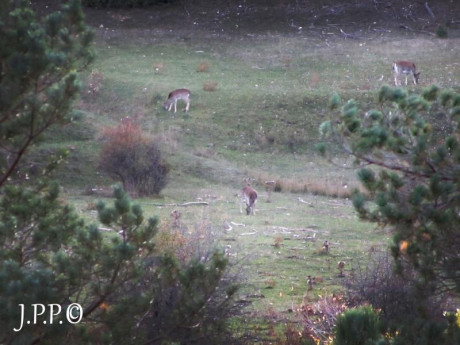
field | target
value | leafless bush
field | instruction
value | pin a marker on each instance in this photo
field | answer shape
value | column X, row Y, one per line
column 292, row 336
column 94, row 82
column 193, row 245
column 134, row 159
column 377, row 282
column 319, row 318
column 186, row 241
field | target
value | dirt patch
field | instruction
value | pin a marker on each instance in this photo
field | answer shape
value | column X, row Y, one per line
column 283, row 17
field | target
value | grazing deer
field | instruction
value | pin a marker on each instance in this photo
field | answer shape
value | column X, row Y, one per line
column 407, row 68
column 249, row 197
column 176, row 95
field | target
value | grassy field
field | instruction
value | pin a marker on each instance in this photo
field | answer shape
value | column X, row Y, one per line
column 259, row 93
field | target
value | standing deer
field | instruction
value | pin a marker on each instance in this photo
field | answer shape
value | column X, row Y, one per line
column 176, row 95
column 407, row 68
column 249, row 197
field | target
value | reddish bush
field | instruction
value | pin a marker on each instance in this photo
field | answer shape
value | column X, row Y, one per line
column 319, row 318
column 131, row 157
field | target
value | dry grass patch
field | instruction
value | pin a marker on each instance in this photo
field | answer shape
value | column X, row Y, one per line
column 317, row 186
column 210, row 86
column 168, row 137
column 203, row 67
column 185, row 241
column 94, row 82
column 158, row 67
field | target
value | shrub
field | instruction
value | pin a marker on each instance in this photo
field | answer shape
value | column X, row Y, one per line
column 162, row 299
column 377, row 282
column 292, row 336
column 205, row 310
column 406, row 313
column 411, row 179
column 359, row 326
column 319, row 318
column 441, row 32
column 94, row 82
column 134, row 159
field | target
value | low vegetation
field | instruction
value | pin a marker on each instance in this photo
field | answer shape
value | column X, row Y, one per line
column 130, row 157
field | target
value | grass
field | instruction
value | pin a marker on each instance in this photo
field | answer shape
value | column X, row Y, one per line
column 268, row 93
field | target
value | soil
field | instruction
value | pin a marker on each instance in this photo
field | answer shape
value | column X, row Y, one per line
column 349, row 19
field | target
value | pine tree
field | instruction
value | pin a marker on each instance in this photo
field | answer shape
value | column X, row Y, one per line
column 360, row 326
column 48, row 254
column 409, row 156
column 39, row 61
column 410, row 169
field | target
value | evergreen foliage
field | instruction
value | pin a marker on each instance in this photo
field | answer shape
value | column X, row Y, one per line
column 39, row 61
column 359, row 326
column 192, row 302
column 48, row 254
column 410, row 169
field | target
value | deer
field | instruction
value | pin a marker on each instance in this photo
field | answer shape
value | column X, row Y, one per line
column 176, row 95
column 249, row 197
column 407, row 68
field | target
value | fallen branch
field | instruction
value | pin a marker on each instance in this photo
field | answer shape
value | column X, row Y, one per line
column 248, row 233
column 413, row 30
column 305, row 202
column 348, row 35
column 288, row 230
column 185, row 204
column 194, row 203
column 380, row 30
column 333, row 204
column 237, row 224
column 428, row 9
